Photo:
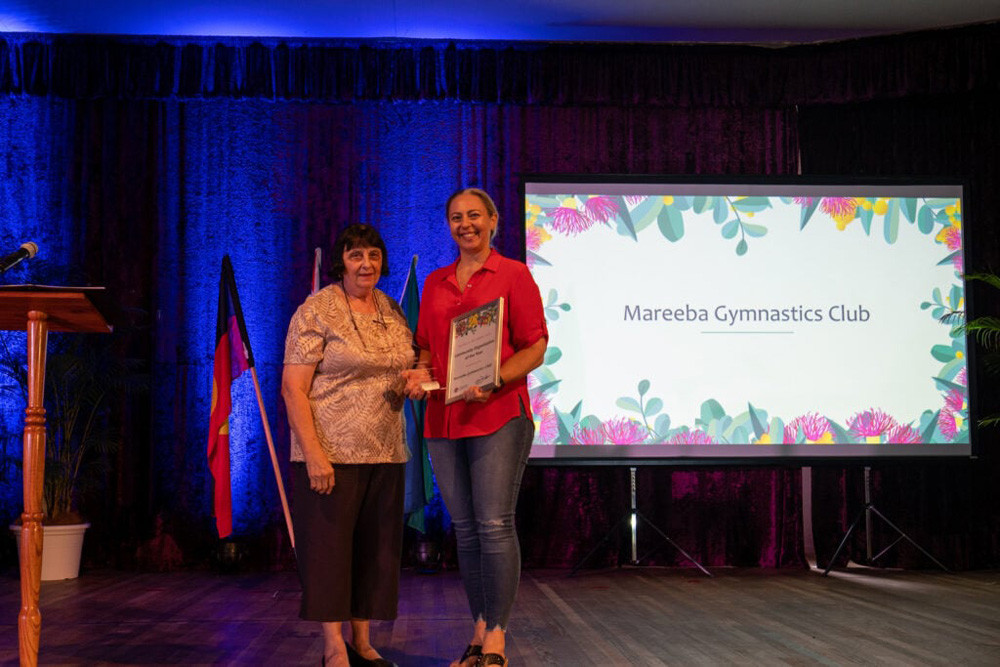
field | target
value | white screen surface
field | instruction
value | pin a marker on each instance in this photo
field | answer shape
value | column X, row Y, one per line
column 695, row 319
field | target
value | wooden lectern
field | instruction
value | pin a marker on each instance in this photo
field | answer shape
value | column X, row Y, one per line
column 40, row 309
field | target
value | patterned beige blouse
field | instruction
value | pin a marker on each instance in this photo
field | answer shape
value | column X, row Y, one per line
column 357, row 391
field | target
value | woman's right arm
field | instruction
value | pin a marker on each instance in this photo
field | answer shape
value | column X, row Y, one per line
column 295, row 382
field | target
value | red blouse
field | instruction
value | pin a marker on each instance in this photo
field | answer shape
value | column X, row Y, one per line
column 523, row 323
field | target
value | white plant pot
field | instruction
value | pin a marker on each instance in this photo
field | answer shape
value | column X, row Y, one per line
column 61, row 547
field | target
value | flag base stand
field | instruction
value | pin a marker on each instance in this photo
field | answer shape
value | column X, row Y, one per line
column 229, row 556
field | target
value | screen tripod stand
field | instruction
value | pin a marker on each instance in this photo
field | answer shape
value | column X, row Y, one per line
column 867, row 511
column 632, row 519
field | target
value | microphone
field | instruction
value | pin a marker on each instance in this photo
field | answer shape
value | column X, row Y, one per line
column 26, row 251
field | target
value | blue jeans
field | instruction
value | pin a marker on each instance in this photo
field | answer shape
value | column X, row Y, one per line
column 479, row 479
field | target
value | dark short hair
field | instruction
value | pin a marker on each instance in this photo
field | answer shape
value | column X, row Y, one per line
column 356, row 236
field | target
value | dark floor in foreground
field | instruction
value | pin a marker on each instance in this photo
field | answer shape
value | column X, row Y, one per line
column 629, row 616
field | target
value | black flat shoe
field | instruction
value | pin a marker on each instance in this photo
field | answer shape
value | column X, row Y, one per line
column 357, row 660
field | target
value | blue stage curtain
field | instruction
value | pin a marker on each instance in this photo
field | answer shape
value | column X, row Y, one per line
column 534, row 73
column 139, row 162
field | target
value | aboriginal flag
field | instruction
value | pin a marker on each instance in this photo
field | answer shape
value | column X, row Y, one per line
column 232, row 357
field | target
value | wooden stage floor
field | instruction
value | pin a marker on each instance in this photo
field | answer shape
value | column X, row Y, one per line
column 628, row 616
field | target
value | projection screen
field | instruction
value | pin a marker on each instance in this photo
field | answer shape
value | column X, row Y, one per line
column 696, row 319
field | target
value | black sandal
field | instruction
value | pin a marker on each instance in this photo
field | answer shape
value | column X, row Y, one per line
column 491, row 659
column 471, row 651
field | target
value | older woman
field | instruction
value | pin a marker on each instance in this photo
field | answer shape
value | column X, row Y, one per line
column 479, row 446
column 345, row 348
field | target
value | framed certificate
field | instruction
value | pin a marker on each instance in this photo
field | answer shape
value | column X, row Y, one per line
column 474, row 349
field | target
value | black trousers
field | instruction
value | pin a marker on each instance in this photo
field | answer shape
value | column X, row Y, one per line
column 349, row 543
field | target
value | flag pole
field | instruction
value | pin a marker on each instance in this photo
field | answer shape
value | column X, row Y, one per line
column 317, row 262
column 274, row 458
column 406, row 283
column 229, row 278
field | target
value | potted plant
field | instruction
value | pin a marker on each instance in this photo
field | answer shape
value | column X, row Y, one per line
column 986, row 330
column 82, row 377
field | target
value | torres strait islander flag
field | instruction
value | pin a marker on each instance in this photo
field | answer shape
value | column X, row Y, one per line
column 419, row 490
column 232, row 358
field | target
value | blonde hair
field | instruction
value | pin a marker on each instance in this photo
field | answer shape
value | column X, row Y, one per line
column 491, row 208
